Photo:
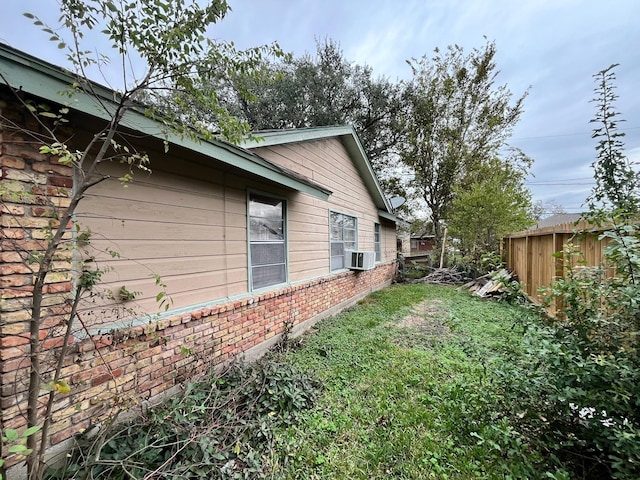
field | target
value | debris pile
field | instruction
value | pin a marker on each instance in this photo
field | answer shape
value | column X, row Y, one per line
column 494, row 284
column 445, row 276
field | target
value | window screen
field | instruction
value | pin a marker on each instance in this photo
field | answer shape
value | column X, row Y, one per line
column 267, row 241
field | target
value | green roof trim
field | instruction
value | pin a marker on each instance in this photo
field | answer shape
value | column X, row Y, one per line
column 296, row 135
column 389, row 216
column 351, row 141
column 37, row 77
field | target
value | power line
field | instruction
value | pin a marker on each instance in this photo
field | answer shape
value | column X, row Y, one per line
column 542, row 184
column 568, row 134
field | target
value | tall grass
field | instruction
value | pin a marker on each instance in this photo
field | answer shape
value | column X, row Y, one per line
column 415, row 382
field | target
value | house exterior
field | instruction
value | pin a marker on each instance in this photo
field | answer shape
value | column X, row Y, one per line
column 239, row 243
column 422, row 243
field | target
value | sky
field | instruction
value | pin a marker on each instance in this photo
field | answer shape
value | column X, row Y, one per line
column 549, row 48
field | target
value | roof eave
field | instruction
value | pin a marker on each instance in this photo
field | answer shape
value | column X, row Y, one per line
column 389, row 216
column 36, row 77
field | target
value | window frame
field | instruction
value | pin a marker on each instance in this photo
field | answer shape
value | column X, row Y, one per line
column 341, row 241
column 377, row 241
column 255, row 195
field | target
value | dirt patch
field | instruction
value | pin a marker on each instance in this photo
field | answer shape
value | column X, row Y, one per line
column 426, row 321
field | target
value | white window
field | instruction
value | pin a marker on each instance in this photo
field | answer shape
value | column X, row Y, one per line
column 344, row 236
column 267, row 241
column 377, row 241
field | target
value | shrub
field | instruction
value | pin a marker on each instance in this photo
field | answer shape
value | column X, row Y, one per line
column 576, row 390
column 221, row 427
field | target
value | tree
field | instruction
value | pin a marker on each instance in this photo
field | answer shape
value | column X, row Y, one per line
column 617, row 184
column 545, row 208
column 321, row 90
column 457, row 119
column 494, row 203
column 168, row 38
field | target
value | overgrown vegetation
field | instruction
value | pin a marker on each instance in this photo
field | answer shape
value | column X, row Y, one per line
column 418, row 381
column 220, row 427
column 411, row 392
column 401, row 386
column 571, row 390
column 577, row 383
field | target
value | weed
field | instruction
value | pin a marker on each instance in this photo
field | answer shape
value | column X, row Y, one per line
column 220, row 427
column 395, row 409
column 359, row 398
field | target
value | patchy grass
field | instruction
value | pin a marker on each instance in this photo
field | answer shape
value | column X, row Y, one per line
column 409, row 384
column 408, row 392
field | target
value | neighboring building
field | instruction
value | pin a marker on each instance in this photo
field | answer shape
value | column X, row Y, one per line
column 244, row 240
column 422, row 243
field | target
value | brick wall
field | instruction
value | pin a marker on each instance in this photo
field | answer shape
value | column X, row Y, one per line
column 120, row 369
column 127, row 366
column 34, row 189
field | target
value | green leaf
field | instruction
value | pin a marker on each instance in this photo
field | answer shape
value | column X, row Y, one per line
column 11, row 435
column 17, row 449
column 31, row 430
column 62, row 387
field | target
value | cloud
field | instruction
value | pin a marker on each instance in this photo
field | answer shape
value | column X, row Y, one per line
column 553, row 46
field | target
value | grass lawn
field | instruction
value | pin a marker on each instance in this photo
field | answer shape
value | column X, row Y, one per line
column 408, row 392
column 408, row 384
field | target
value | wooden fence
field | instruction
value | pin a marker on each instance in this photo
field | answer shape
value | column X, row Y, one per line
column 530, row 254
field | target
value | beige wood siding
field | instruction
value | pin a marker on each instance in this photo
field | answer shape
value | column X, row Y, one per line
column 185, row 222
column 328, row 163
column 389, row 241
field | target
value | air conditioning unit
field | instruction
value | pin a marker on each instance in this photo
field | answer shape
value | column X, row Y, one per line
column 359, row 260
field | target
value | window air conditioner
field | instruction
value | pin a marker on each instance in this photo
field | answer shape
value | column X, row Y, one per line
column 359, row 260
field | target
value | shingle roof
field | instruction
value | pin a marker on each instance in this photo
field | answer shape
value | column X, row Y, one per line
column 558, row 219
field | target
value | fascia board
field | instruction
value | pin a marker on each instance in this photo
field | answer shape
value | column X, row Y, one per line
column 389, row 216
column 279, row 137
column 38, row 78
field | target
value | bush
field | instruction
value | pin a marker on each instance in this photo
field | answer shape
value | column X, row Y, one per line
column 220, row 427
column 583, row 408
column 577, row 388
